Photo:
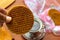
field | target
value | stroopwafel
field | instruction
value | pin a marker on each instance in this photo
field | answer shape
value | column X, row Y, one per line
column 55, row 16
column 22, row 20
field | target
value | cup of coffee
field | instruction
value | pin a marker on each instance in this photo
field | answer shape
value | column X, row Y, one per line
column 24, row 22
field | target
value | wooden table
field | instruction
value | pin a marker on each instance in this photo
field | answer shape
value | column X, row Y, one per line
column 48, row 36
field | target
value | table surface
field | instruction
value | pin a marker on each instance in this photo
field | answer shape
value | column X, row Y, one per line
column 48, row 36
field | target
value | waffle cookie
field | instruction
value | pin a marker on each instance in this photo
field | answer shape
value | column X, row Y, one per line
column 22, row 20
column 55, row 16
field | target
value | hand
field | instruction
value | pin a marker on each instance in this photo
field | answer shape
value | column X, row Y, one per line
column 4, row 17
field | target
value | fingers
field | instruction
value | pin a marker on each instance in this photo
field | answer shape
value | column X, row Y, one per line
column 3, row 11
column 8, row 19
column 3, row 16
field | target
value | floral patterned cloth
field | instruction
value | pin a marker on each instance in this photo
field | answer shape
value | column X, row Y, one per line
column 41, row 8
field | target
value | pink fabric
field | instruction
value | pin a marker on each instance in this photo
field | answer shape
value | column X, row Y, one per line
column 35, row 6
column 50, row 24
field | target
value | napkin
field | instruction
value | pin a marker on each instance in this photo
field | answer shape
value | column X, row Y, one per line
column 41, row 8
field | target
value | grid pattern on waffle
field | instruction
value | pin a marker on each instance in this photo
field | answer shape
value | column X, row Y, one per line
column 22, row 20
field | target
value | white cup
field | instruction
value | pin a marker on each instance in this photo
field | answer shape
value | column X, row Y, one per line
column 37, row 28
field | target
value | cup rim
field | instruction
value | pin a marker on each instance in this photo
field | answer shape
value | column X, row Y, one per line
column 40, row 24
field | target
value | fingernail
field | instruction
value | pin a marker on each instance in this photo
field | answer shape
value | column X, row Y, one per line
column 8, row 19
